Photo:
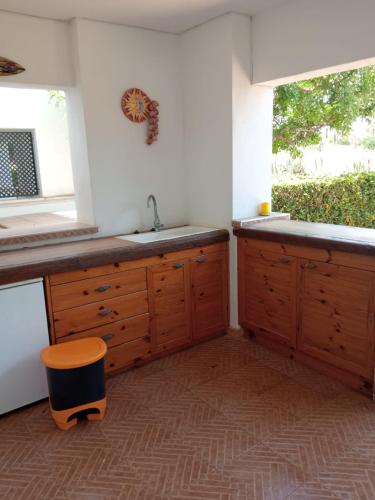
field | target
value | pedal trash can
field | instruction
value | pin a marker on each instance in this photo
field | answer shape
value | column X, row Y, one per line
column 76, row 383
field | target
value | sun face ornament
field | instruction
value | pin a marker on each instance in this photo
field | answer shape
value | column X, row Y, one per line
column 134, row 104
column 138, row 107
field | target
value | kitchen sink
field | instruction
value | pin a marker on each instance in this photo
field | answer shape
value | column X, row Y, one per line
column 166, row 234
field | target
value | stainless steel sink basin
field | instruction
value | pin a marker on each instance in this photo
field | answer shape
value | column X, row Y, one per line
column 166, row 234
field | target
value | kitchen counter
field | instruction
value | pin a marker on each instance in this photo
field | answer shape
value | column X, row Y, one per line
column 327, row 236
column 29, row 263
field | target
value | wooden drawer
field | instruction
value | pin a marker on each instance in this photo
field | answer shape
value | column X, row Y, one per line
column 127, row 354
column 99, row 313
column 78, row 293
column 117, row 332
column 93, row 272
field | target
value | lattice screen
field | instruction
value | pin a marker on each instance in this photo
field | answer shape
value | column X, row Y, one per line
column 18, row 176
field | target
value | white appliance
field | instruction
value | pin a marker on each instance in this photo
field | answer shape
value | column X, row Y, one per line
column 23, row 333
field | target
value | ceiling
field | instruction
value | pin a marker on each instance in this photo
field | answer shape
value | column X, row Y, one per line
column 174, row 16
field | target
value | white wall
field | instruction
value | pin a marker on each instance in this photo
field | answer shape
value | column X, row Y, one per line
column 228, row 129
column 252, row 113
column 42, row 46
column 123, row 168
column 207, row 61
column 32, row 109
column 304, row 36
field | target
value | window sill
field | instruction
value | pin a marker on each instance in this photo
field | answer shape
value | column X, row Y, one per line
column 27, row 229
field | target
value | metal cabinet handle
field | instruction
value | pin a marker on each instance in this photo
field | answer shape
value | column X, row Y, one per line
column 178, row 265
column 105, row 312
column 103, row 288
column 284, row 260
column 310, row 265
column 200, row 259
column 107, row 337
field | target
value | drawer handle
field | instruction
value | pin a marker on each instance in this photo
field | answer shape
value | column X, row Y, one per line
column 107, row 337
column 178, row 265
column 201, row 259
column 284, row 260
column 310, row 265
column 103, row 288
column 105, row 312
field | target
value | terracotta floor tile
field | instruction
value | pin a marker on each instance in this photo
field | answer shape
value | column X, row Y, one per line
column 134, row 375
column 183, row 413
column 239, row 386
column 325, row 434
column 218, row 441
column 176, row 358
column 262, row 474
column 169, row 468
column 207, row 365
column 300, row 400
column 152, row 390
column 320, row 383
column 312, row 490
column 211, row 486
column 350, row 476
column 261, row 418
column 136, row 433
column 224, row 420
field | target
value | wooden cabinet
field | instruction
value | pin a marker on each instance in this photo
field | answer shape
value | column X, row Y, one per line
column 335, row 316
column 169, row 288
column 113, row 306
column 209, row 283
column 311, row 304
column 144, row 307
column 267, row 292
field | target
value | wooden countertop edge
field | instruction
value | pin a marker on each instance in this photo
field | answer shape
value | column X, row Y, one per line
column 130, row 251
column 308, row 240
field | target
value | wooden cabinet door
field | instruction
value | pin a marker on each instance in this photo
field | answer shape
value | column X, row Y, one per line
column 267, row 292
column 209, row 281
column 169, row 303
column 336, row 316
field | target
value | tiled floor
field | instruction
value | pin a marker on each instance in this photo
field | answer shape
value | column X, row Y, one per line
column 225, row 420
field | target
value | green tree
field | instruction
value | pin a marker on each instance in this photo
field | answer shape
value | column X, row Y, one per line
column 303, row 108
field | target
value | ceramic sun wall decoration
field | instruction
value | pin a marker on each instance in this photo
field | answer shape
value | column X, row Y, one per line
column 8, row 67
column 138, row 107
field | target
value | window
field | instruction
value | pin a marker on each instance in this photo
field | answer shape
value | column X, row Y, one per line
column 18, row 173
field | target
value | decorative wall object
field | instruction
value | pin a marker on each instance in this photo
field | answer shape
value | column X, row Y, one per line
column 8, row 67
column 138, row 107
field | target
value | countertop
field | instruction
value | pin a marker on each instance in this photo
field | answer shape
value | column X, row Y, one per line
column 327, row 236
column 29, row 263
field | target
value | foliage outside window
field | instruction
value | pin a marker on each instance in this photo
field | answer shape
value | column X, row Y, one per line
column 324, row 149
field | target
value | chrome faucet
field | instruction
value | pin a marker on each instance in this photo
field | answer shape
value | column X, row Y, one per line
column 157, row 224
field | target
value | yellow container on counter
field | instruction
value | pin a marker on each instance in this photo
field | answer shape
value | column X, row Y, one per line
column 265, row 208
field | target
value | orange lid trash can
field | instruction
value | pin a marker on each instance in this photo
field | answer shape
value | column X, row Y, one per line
column 76, row 382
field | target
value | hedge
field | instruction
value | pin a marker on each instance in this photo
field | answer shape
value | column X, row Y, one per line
column 348, row 199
